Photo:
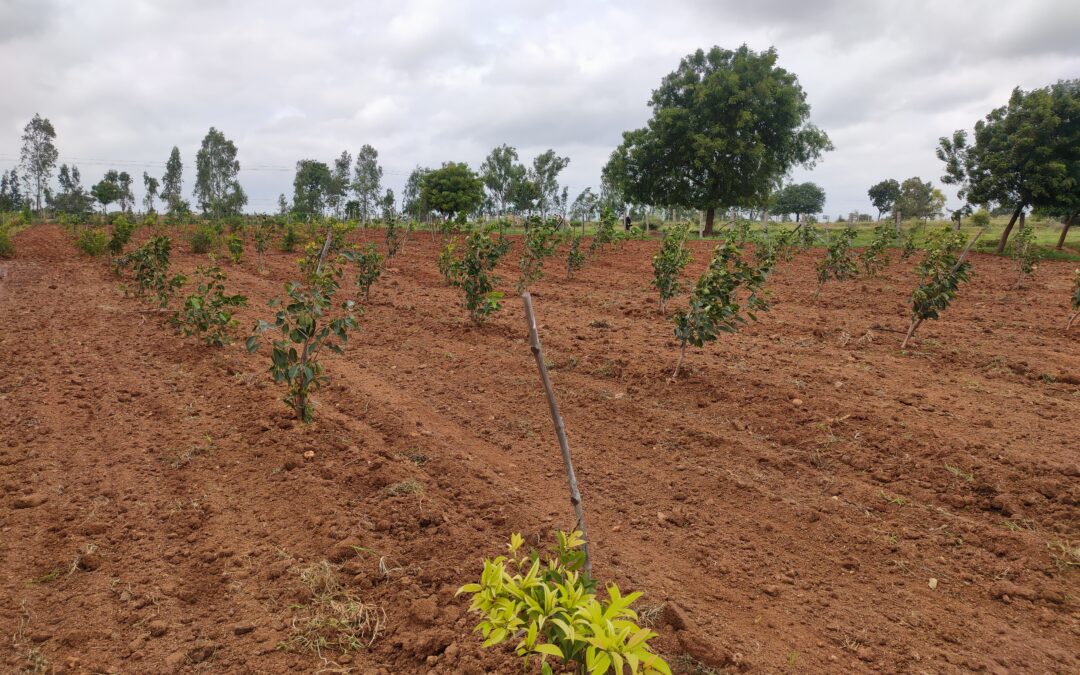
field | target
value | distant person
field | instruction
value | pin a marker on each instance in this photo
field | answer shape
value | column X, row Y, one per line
column 626, row 222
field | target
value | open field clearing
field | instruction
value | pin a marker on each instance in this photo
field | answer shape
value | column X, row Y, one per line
column 805, row 497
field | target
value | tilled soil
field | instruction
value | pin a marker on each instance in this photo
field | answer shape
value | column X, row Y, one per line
column 807, row 497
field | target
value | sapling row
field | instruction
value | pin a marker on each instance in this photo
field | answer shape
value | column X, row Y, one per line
column 876, row 256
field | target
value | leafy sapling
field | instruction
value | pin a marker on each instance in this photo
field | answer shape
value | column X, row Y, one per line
column 368, row 268
column 290, row 238
column 261, row 234
column 876, row 256
column 808, row 235
column 394, row 238
column 235, row 244
column 150, row 268
column 715, row 306
column 121, row 234
column 575, row 259
column 669, row 263
column 309, row 320
column 839, row 262
column 605, row 232
column 942, row 271
column 207, row 312
column 445, row 261
column 552, row 608
column 1024, row 252
column 540, row 242
column 474, row 273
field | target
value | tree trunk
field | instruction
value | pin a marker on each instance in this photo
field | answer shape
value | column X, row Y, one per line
column 896, row 223
column 678, row 364
column 560, row 430
column 710, row 214
column 1065, row 230
column 1008, row 228
column 911, row 331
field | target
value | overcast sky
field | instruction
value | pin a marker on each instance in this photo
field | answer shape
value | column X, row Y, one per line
column 429, row 81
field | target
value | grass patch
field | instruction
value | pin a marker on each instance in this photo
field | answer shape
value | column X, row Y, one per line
column 335, row 621
column 405, row 487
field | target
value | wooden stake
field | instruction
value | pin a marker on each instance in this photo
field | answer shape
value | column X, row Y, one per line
column 560, row 430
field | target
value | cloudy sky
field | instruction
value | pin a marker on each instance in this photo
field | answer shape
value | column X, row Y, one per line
column 426, row 81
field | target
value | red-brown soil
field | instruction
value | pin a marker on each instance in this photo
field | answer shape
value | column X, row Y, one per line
column 788, row 501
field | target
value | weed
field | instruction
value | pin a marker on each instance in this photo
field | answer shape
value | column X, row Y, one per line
column 1065, row 554
column 405, row 487
column 959, row 473
column 335, row 620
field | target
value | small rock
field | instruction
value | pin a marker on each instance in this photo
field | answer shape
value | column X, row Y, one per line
column 933, row 584
column 309, row 454
column 344, row 550
column 796, row 402
column 243, row 628
column 424, row 610
column 158, row 628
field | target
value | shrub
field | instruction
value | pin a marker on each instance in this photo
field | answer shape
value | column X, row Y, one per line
column 445, row 261
column 809, row 235
column 714, row 305
column 122, row 230
column 474, row 273
column 290, row 238
column 202, row 239
column 876, row 256
column 838, row 262
column 941, row 273
column 669, row 263
column 206, row 313
column 309, row 320
column 981, row 219
column 368, row 268
column 7, row 246
column 540, row 242
column 575, row 259
column 261, row 235
column 554, row 608
column 92, row 240
column 235, row 244
column 605, row 231
column 393, row 237
column 908, row 247
column 150, row 267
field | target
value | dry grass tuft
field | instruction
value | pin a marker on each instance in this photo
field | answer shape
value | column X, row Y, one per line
column 335, row 620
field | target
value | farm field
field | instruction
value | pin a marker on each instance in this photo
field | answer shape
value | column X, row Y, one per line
column 806, row 497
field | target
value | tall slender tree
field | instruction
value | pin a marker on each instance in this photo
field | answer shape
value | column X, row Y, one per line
column 38, row 157
column 339, row 183
column 150, row 188
column 367, row 181
column 500, row 171
column 545, row 175
column 172, row 182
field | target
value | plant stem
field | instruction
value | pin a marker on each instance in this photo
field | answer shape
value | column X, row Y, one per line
column 911, row 331
column 1071, row 320
column 560, row 429
column 678, row 364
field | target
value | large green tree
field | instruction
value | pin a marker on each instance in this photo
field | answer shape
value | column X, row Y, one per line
column 726, row 125
column 1023, row 154
column 11, row 198
column 452, row 190
column 38, row 157
column 799, row 198
column 916, row 198
column 216, row 168
column 883, row 195
column 367, row 181
column 311, row 188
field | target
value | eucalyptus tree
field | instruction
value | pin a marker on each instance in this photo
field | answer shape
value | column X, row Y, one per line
column 500, row 172
column 172, row 183
column 338, row 188
column 546, row 168
column 38, row 156
column 127, row 197
column 150, row 190
column 367, row 181
column 585, row 205
column 216, row 168
column 714, row 141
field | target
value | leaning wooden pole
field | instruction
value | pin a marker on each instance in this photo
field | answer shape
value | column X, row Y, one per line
column 560, row 429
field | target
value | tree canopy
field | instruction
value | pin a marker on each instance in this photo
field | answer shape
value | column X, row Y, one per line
column 452, row 190
column 883, row 195
column 216, row 187
column 367, row 181
column 311, row 188
column 38, row 156
column 799, row 198
column 726, row 125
